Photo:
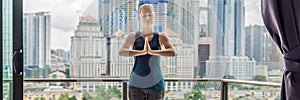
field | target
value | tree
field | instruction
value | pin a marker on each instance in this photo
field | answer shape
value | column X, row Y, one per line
column 260, row 78
column 195, row 95
column 41, row 98
column 73, row 98
column 86, row 96
column 107, row 94
column 64, row 96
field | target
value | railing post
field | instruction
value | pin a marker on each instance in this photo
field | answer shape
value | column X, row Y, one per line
column 224, row 91
column 124, row 86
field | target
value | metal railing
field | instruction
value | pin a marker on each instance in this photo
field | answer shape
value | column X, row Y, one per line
column 224, row 83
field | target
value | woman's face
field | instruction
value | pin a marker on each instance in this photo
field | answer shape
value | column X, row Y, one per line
column 146, row 16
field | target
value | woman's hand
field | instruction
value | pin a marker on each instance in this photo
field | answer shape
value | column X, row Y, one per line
column 145, row 51
column 149, row 49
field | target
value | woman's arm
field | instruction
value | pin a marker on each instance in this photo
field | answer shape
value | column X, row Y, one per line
column 169, row 49
column 125, row 51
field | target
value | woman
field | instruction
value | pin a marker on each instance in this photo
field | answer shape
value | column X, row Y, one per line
column 146, row 80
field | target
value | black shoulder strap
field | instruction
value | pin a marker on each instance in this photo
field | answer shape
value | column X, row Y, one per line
column 137, row 35
column 156, row 35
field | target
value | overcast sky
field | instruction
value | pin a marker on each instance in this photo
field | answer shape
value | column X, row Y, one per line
column 65, row 16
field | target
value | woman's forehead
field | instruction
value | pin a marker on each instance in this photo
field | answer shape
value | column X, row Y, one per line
column 146, row 11
column 146, row 8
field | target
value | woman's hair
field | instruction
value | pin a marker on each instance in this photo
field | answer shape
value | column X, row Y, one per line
column 145, row 6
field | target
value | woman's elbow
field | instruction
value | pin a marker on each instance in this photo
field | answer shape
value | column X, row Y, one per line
column 173, row 53
column 121, row 53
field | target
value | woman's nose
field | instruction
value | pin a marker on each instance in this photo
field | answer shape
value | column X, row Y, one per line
column 147, row 17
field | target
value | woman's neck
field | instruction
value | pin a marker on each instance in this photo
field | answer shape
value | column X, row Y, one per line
column 146, row 30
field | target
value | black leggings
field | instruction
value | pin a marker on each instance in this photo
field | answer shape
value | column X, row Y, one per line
column 145, row 94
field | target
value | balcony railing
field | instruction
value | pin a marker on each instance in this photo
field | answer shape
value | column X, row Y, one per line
column 224, row 83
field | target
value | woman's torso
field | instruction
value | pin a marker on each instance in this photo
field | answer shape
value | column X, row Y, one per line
column 146, row 72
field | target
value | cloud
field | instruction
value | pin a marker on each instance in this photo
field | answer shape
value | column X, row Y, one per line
column 253, row 12
column 61, row 39
column 64, row 17
column 65, row 13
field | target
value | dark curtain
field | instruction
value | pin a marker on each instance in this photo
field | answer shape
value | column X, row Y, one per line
column 282, row 20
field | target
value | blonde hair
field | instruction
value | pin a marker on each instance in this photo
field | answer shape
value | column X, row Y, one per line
column 145, row 5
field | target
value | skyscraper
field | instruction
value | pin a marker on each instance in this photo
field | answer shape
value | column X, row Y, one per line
column 226, row 26
column 183, row 18
column 88, row 52
column 255, row 42
column 7, row 47
column 37, row 37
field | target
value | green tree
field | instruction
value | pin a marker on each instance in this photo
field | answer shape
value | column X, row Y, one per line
column 195, row 95
column 106, row 94
column 73, row 98
column 43, row 98
column 87, row 96
column 40, row 98
column 64, row 96
column 100, row 94
column 260, row 78
column 200, row 85
column 114, row 92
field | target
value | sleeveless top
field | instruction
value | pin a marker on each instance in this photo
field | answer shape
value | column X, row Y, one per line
column 146, row 72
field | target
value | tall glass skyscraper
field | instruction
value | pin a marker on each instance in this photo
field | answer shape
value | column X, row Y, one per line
column 226, row 24
column 7, row 47
column 36, row 37
column 255, row 42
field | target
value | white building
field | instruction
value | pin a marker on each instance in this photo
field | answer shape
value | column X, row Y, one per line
column 37, row 36
column 88, row 52
column 180, row 66
column 241, row 68
column 120, row 66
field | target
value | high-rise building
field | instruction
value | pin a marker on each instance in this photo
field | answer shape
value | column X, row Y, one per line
column 226, row 26
column 88, row 52
column 7, row 36
column 36, row 37
column 183, row 17
column 255, row 42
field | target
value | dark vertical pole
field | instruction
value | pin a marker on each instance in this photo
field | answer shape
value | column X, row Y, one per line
column 1, row 52
column 224, row 91
column 18, row 50
column 108, row 55
column 124, row 86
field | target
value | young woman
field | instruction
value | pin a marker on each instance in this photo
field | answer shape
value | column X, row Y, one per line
column 146, row 80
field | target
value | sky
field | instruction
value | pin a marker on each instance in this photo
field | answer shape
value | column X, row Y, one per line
column 65, row 16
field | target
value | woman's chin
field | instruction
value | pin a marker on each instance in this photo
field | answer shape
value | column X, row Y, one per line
column 147, row 24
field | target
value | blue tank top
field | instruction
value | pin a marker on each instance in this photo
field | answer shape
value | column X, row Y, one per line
column 146, row 72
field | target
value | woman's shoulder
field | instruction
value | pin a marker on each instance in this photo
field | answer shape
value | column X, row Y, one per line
column 131, row 35
column 162, row 35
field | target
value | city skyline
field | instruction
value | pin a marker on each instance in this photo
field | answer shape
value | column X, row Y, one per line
column 61, row 32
